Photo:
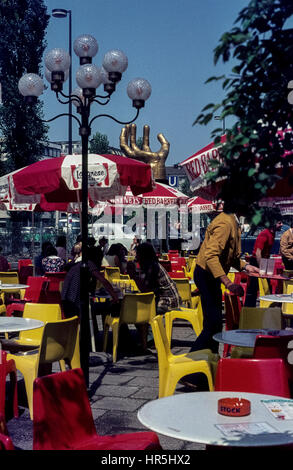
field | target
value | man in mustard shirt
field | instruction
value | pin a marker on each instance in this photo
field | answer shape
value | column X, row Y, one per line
column 220, row 250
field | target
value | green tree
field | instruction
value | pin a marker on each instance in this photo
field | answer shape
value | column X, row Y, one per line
column 99, row 144
column 257, row 99
column 22, row 31
column 185, row 188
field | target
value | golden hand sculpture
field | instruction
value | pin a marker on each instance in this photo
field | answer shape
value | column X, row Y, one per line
column 155, row 159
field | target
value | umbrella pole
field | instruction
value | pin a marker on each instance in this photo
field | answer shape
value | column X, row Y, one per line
column 33, row 243
column 79, row 207
column 84, row 269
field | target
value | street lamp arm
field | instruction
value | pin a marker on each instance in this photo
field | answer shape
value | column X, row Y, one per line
column 70, row 99
column 100, row 102
column 60, row 115
column 108, row 96
column 114, row 119
column 63, row 102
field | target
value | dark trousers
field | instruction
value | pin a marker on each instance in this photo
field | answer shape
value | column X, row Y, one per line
column 252, row 288
column 211, row 300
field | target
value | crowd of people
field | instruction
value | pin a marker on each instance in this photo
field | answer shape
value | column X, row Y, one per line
column 219, row 251
column 151, row 275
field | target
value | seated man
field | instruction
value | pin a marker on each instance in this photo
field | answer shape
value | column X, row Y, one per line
column 71, row 286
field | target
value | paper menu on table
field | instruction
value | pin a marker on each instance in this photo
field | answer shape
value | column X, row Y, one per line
column 234, row 430
column 280, row 409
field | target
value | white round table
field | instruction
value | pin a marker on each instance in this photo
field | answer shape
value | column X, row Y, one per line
column 246, row 338
column 282, row 298
column 243, row 338
column 14, row 324
column 194, row 417
column 10, row 287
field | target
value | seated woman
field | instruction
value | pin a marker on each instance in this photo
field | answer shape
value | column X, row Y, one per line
column 52, row 263
column 116, row 257
column 154, row 278
column 38, row 259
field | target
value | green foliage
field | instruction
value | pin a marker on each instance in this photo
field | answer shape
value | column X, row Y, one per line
column 185, row 188
column 22, row 31
column 99, row 144
column 256, row 95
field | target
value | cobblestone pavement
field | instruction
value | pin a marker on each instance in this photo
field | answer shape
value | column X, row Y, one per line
column 117, row 391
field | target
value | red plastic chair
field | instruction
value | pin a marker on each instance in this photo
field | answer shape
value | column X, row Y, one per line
column 8, row 367
column 23, row 262
column 5, row 441
column 53, row 294
column 25, row 272
column 267, row 347
column 268, row 376
column 63, row 418
column 32, row 294
column 177, row 264
column 242, row 279
column 173, row 256
column 176, row 274
column 232, row 306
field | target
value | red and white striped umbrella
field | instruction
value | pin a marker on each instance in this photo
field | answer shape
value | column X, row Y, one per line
column 11, row 201
column 203, row 206
column 60, row 179
column 161, row 196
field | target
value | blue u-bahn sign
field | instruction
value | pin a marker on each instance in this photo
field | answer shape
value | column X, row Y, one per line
column 173, row 181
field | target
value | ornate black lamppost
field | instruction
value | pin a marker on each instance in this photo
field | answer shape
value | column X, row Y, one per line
column 61, row 13
column 89, row 77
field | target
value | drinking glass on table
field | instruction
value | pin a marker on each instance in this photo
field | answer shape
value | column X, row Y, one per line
column 263, row 266
column 270, row 267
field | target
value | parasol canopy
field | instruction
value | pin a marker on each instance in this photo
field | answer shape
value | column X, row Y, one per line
column 203, row 206
column 197, row 165
column 60, row 179
column 161, row 196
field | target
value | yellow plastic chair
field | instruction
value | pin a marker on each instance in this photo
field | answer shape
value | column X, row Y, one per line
column 189, row 268
column 255, row 318
column 258, row 318
column 125, row 283
column 58, row 343
column 2, row 305
column 190, row 260
column 192, row 315
column 264, row 289
column 43, row 312
column 184, row 290
column 136, row 309
column 112, row 273
column 173, row 367
column 125, row 276
column 9, row 277
column 287, row 308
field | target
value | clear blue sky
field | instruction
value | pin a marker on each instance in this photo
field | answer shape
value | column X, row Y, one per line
column 168, row 42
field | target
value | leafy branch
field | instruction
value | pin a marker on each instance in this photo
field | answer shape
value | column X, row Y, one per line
column 256, row 98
